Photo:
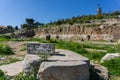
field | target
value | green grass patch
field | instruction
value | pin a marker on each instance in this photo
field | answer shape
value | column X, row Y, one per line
column 4, row 38
column 96, row 46
column 8, row 60
column 80, row 49
column 96, row 56
column 23, row 49
column 113, row 66
column 113, row 48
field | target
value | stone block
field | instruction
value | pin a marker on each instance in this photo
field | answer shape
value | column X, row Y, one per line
column 73, row 70
column 110, row 56
column 36, row 48
column 64, row 65
column 31, row 63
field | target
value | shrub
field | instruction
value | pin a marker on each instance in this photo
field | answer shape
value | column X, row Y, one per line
column 4, row 38
column 5, row 49
column 2, row 75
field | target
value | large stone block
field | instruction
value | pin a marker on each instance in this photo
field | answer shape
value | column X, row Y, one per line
column 64, row 65
column 36, row 48
column 31, row 63
column 110, row 56
column 67, row 55
column 101, row 72
column 75, row 70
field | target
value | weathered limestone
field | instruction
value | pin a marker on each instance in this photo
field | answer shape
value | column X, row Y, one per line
column 103, row 29
column 12, row 69
column 31, row 63
column 67, row 55
column 73, row 70
column 65, row 65
column 99, row 72
column 36, row 48
column 110, row 56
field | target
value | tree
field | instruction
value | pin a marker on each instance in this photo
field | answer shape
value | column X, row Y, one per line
column 37, row 24
column 30, row 22
column 99, row 16
column 115, row 13
column 23, row 26
column 16, row 27
column 10, row 28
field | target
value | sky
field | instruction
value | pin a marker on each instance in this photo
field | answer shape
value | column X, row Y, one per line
column 14, row 12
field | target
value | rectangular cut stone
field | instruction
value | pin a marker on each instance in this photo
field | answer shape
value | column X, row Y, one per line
column 70, row 70
column 36, row 48
column 65, row 65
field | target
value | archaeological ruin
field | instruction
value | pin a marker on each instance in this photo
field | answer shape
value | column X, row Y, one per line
column 104, row 29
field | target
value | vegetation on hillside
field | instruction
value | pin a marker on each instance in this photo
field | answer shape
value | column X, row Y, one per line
column 85, row 18
column 31, row 24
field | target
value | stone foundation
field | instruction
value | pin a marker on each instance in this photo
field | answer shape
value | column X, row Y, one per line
column 65, row 65
column 71, row 70
column 36, row 48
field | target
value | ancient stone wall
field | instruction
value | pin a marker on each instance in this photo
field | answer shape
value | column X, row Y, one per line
column 37, row 48
column 102, row 31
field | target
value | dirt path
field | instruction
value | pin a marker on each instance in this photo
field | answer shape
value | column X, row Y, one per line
column 17, row 47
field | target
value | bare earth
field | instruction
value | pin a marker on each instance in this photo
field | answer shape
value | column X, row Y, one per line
column 17, row 46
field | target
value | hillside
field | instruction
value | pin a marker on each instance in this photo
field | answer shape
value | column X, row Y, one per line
column 103, row 26
column 99, row 29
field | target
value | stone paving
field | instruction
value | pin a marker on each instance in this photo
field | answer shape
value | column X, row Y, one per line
column 13, row 68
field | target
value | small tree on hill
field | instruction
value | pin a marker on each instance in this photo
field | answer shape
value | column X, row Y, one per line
column 16, row 27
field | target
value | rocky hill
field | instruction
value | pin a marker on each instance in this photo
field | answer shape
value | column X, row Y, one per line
column 99, row 29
